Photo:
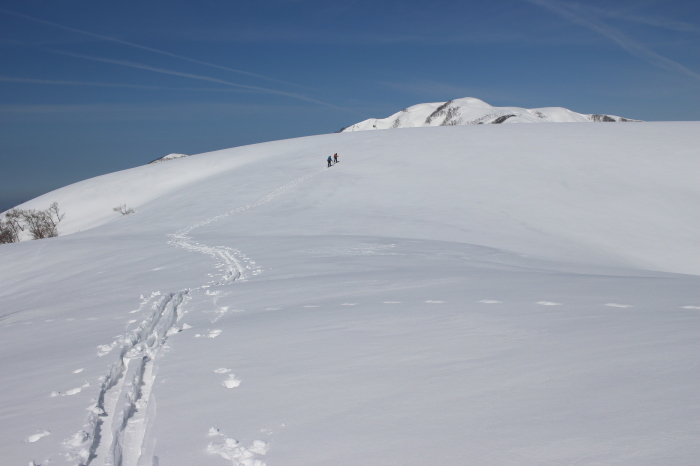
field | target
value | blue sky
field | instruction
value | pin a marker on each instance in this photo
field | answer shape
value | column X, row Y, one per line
column 89, row 87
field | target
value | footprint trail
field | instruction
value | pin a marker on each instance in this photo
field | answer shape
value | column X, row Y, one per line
column 118, row 422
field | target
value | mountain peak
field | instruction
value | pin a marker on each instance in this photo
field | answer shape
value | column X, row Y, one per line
column 473, row 111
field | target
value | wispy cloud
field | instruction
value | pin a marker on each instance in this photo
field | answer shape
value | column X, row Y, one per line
column 576, row 14
column 10, row 79
column 655, row 21
column 665, row 23
column 142, row 47
column 355, row 37
column 176, row 111
column 126, row 63
column 154, row 69
column 113, row 108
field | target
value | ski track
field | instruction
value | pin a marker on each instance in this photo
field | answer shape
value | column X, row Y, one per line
column 116, row 432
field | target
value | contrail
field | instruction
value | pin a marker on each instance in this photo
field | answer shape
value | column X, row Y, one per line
column 178, row 73
column 190, row 75
column 143, row 47
column 10, row 79
column 630, row 45
column 659, row 22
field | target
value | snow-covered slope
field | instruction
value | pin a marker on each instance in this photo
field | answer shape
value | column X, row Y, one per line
column 522, row 294
column 471, row 111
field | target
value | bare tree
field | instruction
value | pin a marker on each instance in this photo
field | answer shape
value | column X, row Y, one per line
column 38, row 223
column 10, row 227
column 41, row 223
column 55, row 214
column 124, row 210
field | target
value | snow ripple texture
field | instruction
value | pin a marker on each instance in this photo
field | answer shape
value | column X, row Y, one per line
column 125, row 391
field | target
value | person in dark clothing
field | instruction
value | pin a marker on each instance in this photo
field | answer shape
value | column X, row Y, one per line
column 329, row 160
column 335, row 158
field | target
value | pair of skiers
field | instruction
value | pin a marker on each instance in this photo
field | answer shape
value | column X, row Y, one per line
column 334, row 159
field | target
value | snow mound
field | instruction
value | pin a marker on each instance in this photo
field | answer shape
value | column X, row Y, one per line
column 169, row 157
column 472, row 111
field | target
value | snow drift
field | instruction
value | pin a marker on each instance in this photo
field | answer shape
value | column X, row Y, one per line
column 471, row 111
column 515, row 294
column 165, row 158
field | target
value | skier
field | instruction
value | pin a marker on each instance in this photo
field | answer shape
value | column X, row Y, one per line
column 329, row 160
column 335, row 158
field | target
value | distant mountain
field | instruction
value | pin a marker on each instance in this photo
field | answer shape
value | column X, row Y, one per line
column 471, row 111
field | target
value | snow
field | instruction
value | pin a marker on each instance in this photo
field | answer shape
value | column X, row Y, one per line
column 472, row 111
column 503, row 294
column 169, row 157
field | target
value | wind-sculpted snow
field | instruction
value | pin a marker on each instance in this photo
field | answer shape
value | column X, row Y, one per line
column 471, row 111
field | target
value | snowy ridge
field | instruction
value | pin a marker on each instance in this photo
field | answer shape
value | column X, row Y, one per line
column 132, row 187
column 472, row 111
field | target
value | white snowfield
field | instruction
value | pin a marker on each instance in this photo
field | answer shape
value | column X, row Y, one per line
column 491, row 295
column 472, row 111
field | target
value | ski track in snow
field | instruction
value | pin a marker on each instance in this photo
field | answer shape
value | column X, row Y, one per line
column 116, row 432
column 228, row 258
column 125, row 390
